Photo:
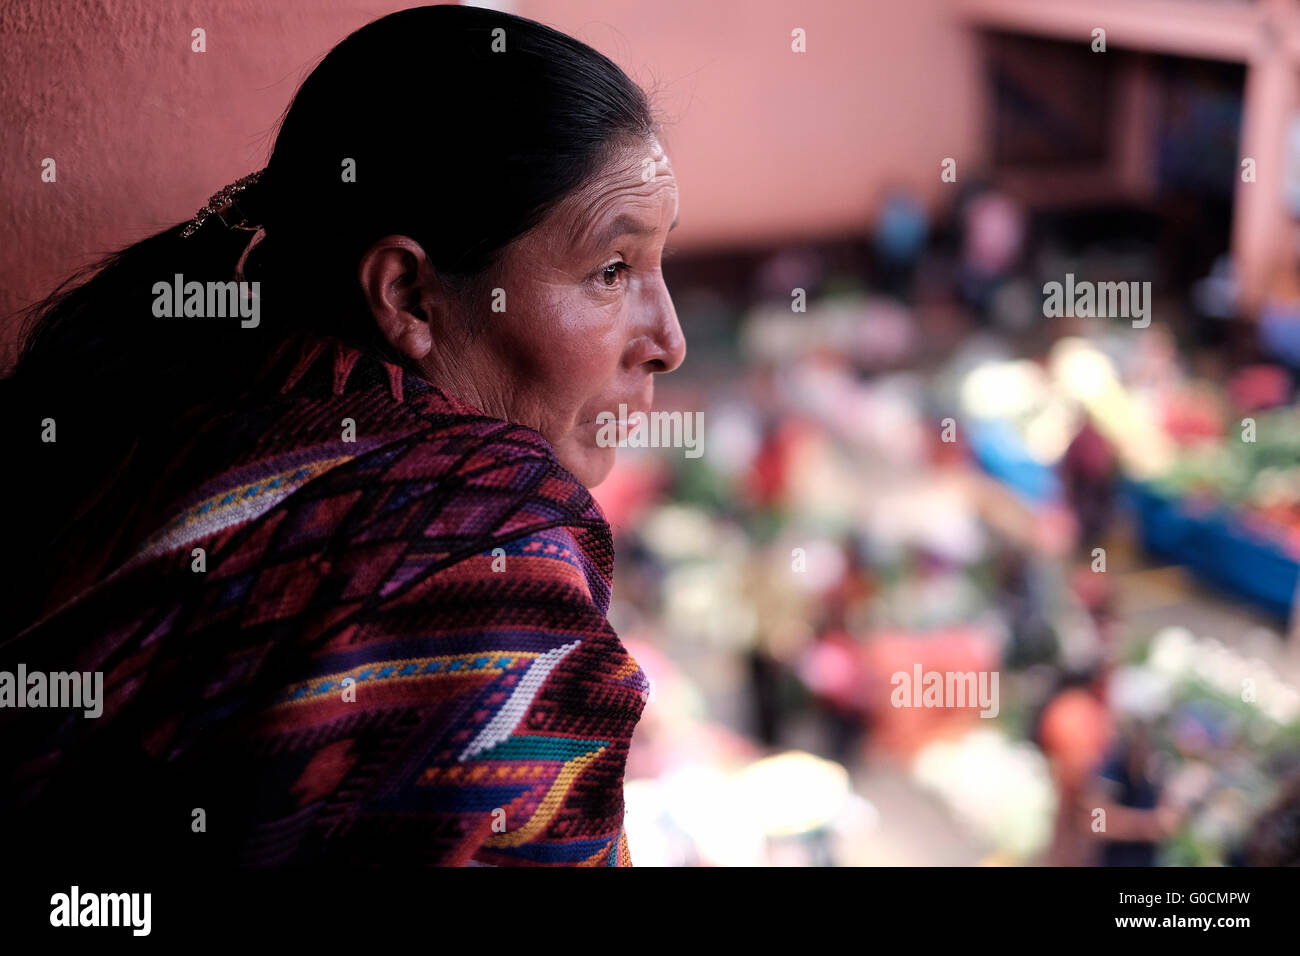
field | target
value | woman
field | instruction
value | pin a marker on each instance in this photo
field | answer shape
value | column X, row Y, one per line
column 337, row 563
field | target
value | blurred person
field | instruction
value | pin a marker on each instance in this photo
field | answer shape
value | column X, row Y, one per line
column 833, row 667
column 899, row 236
column 1274, row 840
column 1023, row 594
column 767, row 483
column 793, row 267
column 832, row 670
column 1097, row 596
column 765, row 680
column 992, row 227
column 1127, row 788
column 340, row 567
column 1088, row 471
column 1278, row 323
column 1074, row 731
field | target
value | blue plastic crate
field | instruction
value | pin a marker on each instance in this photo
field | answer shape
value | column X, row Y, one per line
column 1236, row 559
column 1218, row 548
column 1164, row 528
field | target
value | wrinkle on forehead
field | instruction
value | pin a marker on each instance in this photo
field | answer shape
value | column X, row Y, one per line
column 619, row 182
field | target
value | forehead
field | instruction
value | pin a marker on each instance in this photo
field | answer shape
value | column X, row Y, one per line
column 636, row 178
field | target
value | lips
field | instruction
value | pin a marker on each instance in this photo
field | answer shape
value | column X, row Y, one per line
column 633, row 408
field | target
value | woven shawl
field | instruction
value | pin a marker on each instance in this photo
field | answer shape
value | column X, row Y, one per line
column 394, row 648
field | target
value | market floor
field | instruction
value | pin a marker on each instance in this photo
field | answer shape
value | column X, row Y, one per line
column 916, row 828
column 1151, row 596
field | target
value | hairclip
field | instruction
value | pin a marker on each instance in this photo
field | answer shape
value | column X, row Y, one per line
column 221, row 203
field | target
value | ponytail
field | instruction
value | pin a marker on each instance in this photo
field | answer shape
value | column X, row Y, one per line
column 99, row 379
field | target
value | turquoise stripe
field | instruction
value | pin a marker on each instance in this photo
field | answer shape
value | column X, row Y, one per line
column 542, row 748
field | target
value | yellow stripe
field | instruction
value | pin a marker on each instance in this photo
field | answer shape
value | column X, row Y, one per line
column 398, row 664
column 314, row 470
column 550, row 804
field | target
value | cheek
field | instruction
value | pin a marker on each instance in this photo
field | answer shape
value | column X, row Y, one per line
column 571, row 344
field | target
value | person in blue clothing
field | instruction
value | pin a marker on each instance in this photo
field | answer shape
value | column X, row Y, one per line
column 1137, row 820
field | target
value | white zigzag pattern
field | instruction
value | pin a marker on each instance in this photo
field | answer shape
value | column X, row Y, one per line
column 503, row 724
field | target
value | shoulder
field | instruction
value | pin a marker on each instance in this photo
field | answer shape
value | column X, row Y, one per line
column 443, row 485
column 371, row 452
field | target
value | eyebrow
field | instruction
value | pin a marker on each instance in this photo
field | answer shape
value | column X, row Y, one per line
column 626, row 225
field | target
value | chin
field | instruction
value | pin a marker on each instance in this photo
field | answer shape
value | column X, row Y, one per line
column 590, row 466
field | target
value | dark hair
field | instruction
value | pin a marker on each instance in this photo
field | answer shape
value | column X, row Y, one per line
column 465, row 127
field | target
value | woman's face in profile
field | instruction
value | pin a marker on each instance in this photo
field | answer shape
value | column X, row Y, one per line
column 588, row 320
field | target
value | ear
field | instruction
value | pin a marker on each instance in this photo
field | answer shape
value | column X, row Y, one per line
column 402, row 289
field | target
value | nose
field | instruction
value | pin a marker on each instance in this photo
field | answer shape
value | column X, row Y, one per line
column 662, row 347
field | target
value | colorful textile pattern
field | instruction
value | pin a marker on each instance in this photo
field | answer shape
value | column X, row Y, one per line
column 395, row 651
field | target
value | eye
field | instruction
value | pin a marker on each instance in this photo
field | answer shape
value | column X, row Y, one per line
column 609, row 275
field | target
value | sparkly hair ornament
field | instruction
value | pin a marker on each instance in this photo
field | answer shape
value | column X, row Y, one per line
column 225, row 206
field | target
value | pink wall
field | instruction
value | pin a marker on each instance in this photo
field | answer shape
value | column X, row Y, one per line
column 142, row 129
column 766, row 142
column 769, row 143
